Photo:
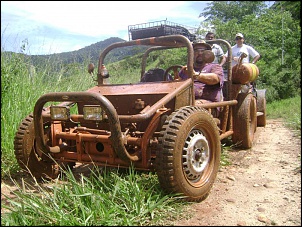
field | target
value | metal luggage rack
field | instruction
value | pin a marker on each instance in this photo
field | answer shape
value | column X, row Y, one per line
column 160, row 28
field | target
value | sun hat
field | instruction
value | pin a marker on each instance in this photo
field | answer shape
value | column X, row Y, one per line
column 239, row 35
column 199, row 43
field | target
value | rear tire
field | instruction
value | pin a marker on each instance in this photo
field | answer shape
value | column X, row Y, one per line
column 188, row 156
column 244, row 120
column 261, row 107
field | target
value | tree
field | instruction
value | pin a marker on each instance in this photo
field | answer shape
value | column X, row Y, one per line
column 274, row 33
column 294, row 7
column 228, row 10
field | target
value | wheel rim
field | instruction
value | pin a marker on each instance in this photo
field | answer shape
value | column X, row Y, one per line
column 196, row 155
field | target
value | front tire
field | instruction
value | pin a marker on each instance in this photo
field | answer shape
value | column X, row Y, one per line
column 38, row 165
column 188, row 156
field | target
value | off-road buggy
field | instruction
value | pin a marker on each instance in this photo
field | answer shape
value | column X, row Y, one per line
column 153, row 126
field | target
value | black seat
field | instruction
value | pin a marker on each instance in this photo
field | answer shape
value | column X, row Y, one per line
column 156, row 74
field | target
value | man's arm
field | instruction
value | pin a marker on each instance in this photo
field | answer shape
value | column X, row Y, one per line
column 212, row 77
column 256, row 58
column 255, row 54
column 223, row 60
column 222, row 56
column 207, row 78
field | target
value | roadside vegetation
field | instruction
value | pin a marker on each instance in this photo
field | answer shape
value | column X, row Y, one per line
column 103, row 198
column 289, row 110
column 108, row 196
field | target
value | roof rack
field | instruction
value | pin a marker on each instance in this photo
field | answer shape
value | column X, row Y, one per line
column 160, row 28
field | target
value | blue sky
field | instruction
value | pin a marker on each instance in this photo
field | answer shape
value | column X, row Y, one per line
column 61, row 26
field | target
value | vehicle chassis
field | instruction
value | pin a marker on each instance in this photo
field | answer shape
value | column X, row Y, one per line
column 154, row 126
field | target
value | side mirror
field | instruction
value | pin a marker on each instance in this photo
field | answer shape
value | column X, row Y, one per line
column 90, row 68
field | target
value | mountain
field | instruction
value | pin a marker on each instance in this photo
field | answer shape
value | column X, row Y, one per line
column 89, row 53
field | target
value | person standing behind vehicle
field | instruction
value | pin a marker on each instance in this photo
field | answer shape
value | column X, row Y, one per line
column 240, row 48
column 217, row 50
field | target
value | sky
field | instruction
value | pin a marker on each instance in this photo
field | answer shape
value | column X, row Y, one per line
column 47, row 27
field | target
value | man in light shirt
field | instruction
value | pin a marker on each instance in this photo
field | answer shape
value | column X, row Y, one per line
column 217, row 50
column 240, row 48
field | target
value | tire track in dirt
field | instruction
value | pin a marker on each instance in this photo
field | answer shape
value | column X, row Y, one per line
column 261, row 187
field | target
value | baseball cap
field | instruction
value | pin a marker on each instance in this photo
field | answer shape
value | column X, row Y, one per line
column 239, row 35
column 200, row 43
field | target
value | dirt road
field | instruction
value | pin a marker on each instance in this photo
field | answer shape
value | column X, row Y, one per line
column 262, row 186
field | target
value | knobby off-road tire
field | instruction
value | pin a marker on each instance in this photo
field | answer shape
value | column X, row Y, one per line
column 245, row 120
column 39, row 165
column 188, row 156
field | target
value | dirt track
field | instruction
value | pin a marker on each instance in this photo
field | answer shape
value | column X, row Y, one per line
column 261, row 187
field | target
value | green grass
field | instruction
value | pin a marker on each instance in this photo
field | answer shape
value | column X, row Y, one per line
column 104, row 198
column 287, row 109
column 20, row 89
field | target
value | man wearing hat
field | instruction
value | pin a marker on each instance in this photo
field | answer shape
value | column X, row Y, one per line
column 240, row 48
column 208, row 77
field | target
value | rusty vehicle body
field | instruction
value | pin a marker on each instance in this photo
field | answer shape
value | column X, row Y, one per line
column 154, row 126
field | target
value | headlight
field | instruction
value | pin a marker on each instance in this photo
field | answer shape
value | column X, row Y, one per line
column 93, row 112
column 60, row 113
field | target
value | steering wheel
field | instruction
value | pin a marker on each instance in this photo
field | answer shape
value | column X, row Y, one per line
column 175, row 69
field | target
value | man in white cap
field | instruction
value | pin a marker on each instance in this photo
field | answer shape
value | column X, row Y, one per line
column 208, row 77
column 240, row 48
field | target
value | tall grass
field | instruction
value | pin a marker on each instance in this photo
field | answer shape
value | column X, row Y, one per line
column 106, row 198
column 21, row 86
column 287, row 109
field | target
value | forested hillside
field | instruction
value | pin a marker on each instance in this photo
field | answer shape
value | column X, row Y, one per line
column 90, row 53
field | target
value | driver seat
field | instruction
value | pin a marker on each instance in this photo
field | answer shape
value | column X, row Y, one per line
column 155, row 74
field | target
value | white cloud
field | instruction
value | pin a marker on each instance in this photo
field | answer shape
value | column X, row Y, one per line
column 95, row 19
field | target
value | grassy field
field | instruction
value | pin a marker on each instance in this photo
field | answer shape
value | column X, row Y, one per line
column 289, row 110
column 104, row 197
